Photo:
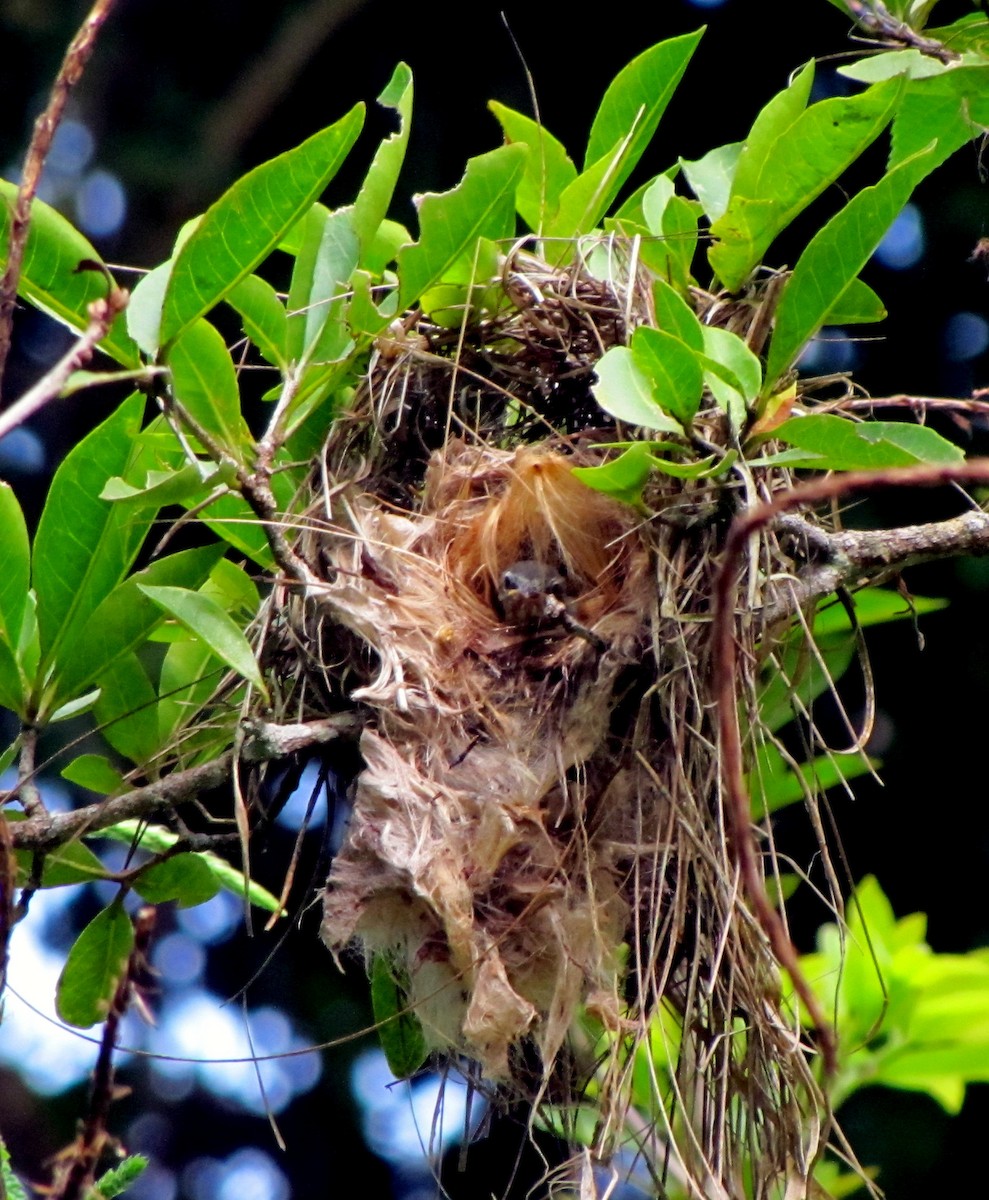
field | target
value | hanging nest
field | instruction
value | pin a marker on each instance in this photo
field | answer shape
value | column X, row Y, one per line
column 537, row 845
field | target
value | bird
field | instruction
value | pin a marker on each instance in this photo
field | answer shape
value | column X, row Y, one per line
column 530, row 596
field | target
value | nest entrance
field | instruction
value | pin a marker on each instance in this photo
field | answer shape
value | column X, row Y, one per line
column 537, row 841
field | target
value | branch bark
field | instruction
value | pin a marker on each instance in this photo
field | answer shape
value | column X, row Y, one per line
column 263, row 743
column 852, row 556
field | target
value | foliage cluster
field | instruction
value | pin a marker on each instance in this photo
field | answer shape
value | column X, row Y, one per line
column 158, row 646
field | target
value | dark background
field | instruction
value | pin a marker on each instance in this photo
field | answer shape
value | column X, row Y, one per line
column 182, row 97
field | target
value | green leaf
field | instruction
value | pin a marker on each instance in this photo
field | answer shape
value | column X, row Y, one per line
column 157, row 839
column 230, row 517
column 623, row 477
column 858, row 304
column 672, row 368
column 204, row 617
column 320, row 287
column 482, row 205
column 262, row 316
column 675, row 316
column 625, row 391
column 182, row 485
column 378, row 188
column 127, row 710
column 190, row 670
column 183, row 877
column 636, row 100
column 400, row 1030
column 93, row 772
column 790, row 164
column 144, row 311
column 711, row 178
column 94, row 968
column 10, row 1185
column 835, row 256
column 873, row 606
column 584, row 202
column 115, row 1182
column 673, row 220
column 15, row 554
column 12, row 690
column 732, row 372
column 837, row 444
column 123, row 621
column 205, row 384
column 49, row 279
column 84, row 545
column 249, row 220
column 549, row 170
column 952, row 107
column 774, row 784
column 65, row 865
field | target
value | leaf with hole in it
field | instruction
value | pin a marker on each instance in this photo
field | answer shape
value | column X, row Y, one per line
column 49, row 279
column 711, row 178
column 834, row 443
column 249, row 220
column 205, row 385
column 450, row 223
column 182, row 877
column 625, row 391
column 378, row 188
column 157, row 839
column 399, row 1030
column 835, row 256
column 124, row 619
column 777, row 178
column 674, row 370
column 94, row 967
column 549, row 170
column 262, row 317
column 204, row 617
column 84, row 545
column 636, row 100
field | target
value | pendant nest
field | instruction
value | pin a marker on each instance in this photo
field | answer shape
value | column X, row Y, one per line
column 537, row 846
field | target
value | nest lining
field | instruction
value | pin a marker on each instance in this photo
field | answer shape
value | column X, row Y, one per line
column 537, row 829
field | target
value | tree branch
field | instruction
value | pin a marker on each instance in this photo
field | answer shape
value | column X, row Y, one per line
column 263, row 742
column 848, row 557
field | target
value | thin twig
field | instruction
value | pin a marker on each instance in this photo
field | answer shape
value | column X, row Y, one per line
column 874, row 17
column 76, row 58
column 101, row 316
